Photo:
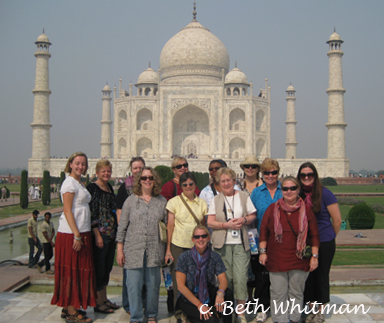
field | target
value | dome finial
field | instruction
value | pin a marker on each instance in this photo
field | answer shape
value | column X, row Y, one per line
column 334, row 29
column 194, row 11
column 149, row 64
column 235, row 64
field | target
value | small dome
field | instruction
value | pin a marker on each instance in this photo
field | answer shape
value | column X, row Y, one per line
column 335, row 37
column 148, row 76
column 43, row 39
column 236, row 76
column 106, row 88
column 290, row 89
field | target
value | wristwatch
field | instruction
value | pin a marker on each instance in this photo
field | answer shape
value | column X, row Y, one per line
column 315, row 256
column 262, row 250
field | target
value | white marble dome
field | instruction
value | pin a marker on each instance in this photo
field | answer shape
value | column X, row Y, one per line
column 106, row 88
column 43, row 39
column 236, row 76
column 194, row 51
column 290, row 88
column 334, row 37
column 148, row 76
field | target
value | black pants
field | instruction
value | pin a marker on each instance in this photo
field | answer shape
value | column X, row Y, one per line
column 103, row 260
column 262, row 284
column 317, row 284
column 193, row 313
column 48, row 254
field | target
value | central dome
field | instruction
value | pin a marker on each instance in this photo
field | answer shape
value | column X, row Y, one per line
column 194, row 51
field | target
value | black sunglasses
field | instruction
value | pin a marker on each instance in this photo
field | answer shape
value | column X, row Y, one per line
column 186, row 184
column 144, row 178
column 251, row 166
column 182, row 165
column 198, row 236
column 274, row 172
column 214, row 168
column 287, row 188
column 309, row 175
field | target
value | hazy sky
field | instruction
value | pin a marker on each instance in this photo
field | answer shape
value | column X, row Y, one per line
column 94, row 42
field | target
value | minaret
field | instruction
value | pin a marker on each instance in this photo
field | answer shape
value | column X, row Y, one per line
column 291, row 143
column 40, row 125
column 336, row 125
column 106, row 122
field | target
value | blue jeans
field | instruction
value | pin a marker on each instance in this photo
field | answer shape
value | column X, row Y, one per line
column 135, row 279
column 34, row 260
column 125, row 291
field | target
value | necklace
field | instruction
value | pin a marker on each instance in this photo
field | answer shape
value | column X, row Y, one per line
column 144, row 199
column 231, row 210
column 102, row 186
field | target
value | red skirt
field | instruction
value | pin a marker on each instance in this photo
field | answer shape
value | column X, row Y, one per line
column 75, row 280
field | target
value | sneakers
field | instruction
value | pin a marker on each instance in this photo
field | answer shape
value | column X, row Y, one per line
column 310, row 318
column 39, row 269
column 241, row 319
column 319, row 318
column 49, row 272
column 261, row 317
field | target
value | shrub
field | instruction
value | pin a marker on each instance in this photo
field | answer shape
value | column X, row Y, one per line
column 62, row 179
column 46, row 196
column 24, row 190
column 378, row 208
column 165, row 173
column 328, row 181
column 87, row 180
column 361, row 216
column 349, row 201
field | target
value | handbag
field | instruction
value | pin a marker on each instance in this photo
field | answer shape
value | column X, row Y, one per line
column 190, row 210
column 307, row 252
column 162, row 231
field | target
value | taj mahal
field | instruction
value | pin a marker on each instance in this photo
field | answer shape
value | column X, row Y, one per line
column 193, row 106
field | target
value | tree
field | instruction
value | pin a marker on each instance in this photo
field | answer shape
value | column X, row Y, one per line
column 165, row 173
column 24, row 190
column 329, row 181
column 62, row 178
column 46, row 196
column 361, row 216
column 380, row 172
column 87, row 180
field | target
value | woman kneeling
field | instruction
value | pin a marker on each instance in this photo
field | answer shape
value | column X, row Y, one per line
column 196, row 270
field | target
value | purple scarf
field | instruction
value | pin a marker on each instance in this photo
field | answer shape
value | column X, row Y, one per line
column 201, row 272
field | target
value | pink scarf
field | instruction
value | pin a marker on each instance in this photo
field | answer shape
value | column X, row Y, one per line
column 308, row 195
column 303, row 223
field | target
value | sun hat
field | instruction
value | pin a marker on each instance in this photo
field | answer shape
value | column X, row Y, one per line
column 250, row 160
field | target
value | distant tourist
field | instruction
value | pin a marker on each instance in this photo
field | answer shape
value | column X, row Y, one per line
column 75, row 283
column 4, row 194
column 324, row 205
column 34, row 241
column 31, row 192
column 48, row 233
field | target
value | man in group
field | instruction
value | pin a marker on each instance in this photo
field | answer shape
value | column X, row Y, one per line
column 48, row 233
column 33, row 241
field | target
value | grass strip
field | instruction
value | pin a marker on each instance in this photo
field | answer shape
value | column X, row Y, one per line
column 359, row 257
column 14, row 210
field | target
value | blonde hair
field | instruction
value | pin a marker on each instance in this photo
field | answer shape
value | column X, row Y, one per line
column 103, row 163
column 202, row 227
column 177, row 160
column 292, row 179
column 225, row 171
column 270, row 163
column 68, row 168
column 156, row 185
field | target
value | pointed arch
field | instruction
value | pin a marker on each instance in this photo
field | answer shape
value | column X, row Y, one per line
column 260, row 120
column 122, row 147
column 144, row 147
column 122, row 120
column 236, row 119
column 260, row 148
column 237, row 148
column 143, row 117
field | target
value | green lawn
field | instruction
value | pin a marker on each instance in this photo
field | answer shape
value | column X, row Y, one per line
column 379, row 188
column 14, row 210
column 13, row 187
column 358, row 257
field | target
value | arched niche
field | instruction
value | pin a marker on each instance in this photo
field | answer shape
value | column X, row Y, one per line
column 190, row 132
column 237, row 148
column 236, row 119
column 122, row 149
column 143, row 116
column 260, row 147
column 260, row 120
column 144, row 147
column 122, row 120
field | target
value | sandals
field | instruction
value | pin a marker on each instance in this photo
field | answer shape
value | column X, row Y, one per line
column 64, row 313
column 78, row 318
column 112, row 305
column 103, row 308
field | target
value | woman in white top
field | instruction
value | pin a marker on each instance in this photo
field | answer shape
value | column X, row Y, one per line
column 230, row 214
column 75, row 284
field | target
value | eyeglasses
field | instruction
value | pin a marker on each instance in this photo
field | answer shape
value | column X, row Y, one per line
column 198, row 236
column 214, row 168
column 182, row 165
column 287, row 188
column 144, row 178
column 250, row 166
column 309, row 175
column 186, row 184
column 274, row 172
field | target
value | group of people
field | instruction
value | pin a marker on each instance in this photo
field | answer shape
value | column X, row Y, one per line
column 35, row 192
column 207, row 244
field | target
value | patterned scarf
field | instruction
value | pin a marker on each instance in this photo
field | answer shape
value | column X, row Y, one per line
column 129, row 184
column 303, row 223
column 201, row 274
column 308, row 195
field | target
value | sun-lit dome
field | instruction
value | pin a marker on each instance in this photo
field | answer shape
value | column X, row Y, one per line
column 148, row 76
column 236, row 76
column 290, row 88
column 43, row 39
column 194, row 51
column 106, row 88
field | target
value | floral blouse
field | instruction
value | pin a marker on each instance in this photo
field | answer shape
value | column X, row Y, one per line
column 103, row 210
